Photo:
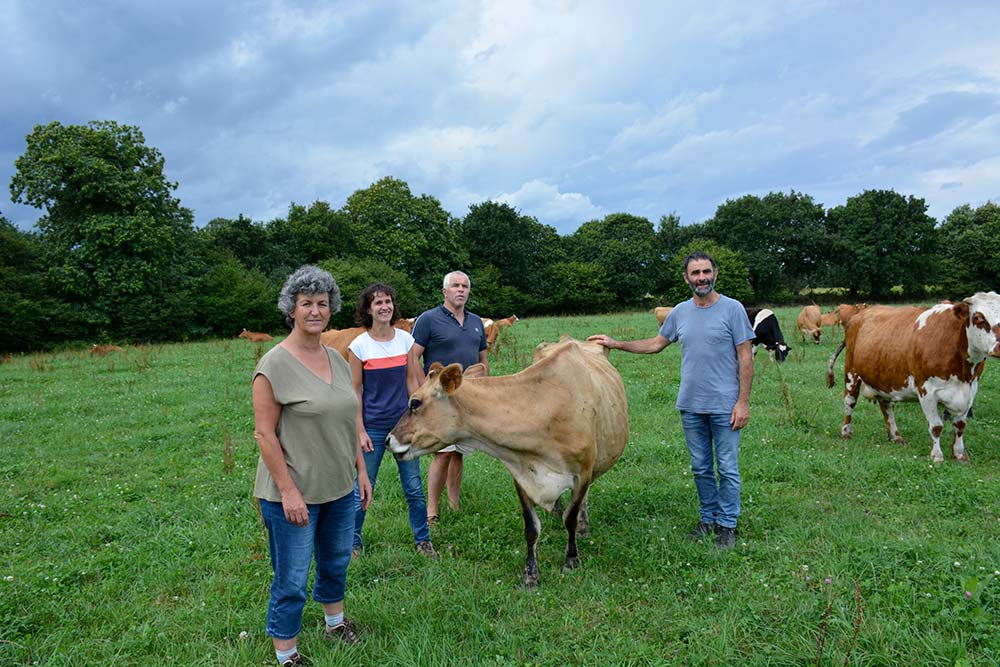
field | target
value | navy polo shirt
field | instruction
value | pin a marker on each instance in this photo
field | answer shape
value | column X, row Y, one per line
column 446, row 341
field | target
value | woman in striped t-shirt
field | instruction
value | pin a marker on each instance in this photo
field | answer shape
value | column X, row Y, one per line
column 378, row 371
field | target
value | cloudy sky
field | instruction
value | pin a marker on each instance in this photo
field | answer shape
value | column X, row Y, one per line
column 567, row 110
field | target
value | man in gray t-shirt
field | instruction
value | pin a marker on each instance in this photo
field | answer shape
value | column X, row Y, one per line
column 714, row 396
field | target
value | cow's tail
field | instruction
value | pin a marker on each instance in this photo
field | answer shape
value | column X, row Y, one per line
column 833, row 360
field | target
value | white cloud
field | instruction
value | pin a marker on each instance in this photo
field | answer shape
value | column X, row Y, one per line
column 563, row 210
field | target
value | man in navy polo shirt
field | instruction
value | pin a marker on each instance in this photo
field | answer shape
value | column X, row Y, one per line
column 449, row 334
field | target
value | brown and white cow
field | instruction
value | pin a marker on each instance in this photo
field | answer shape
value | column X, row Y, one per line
column 254, row 336
column 809, row 323
column 558, row 424
column 931, row 355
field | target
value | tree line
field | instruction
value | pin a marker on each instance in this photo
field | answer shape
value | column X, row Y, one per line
column 116, row 257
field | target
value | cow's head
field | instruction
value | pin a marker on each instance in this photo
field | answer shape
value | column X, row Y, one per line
column 781, row 352
column 432, row 419
column 983, row 327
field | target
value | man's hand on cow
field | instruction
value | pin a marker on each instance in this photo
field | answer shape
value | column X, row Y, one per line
column 603, row 339
column 295, row 507
column 740, row 416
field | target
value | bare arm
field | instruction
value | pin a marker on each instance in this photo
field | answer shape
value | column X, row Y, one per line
column 643, row 346
column 414, row 370
column 266, row 412
column 741, row 411
column 357, row 372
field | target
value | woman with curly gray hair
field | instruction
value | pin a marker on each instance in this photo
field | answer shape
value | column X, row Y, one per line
column 305, row 423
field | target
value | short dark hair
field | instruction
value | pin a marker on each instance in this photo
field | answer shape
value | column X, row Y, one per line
column 698, row 255
column 362, row 316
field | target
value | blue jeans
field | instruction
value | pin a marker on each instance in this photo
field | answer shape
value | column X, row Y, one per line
column 719, row 496
column 409, row 478
column 328, row 535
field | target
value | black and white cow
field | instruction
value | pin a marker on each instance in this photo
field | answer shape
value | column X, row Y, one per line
column 767, row 332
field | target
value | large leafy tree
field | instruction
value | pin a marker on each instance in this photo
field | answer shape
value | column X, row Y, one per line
column 881, row 239
column 624, row 246
column 517, row 245
column 778, row 236
column 412, row 234
column 116, row 238
column 969, row 242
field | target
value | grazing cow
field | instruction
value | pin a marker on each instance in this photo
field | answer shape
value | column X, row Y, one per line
column 405, row 324
column 661, row 313
column 492, row 328
column 931, row 355
column 101, row 350
column 254, row 337
column 767, row 332
column 830, row 319
column 558, row 424
column 808, row 323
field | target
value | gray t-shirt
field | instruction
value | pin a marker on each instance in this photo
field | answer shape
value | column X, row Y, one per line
column 317, row 429
column 710, row 370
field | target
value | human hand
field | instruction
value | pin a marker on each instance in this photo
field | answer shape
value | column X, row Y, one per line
column 740, row 416
column 295, row 507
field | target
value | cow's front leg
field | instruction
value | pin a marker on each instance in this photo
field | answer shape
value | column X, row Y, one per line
column 958, row 449
column 929, row 406
column 532, row 529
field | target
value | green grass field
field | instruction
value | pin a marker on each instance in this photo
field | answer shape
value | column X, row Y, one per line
column 128, row 535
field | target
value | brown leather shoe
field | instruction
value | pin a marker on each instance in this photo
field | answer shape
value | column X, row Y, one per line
column 345, row 632
column 426, row 549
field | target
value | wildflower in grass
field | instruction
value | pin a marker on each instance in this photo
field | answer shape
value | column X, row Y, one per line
column 244, row 634
column 958, row 564
column 968, row 595
column 8, row 578
column 828, row 581
column 805, row 568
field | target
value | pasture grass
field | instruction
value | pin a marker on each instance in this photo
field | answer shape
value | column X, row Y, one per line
column 128, row 535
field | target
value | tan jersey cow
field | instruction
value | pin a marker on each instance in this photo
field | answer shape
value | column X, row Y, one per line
column 846, row 311
column 339, row 339
column 931, row 355
column 254, row 336
column 809, row 323
column 661, row 313
column 558, row 424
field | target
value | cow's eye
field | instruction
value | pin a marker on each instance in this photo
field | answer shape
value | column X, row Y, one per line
column 414, row 404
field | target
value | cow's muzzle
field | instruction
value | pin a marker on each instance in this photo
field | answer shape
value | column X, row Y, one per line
column 399, row 451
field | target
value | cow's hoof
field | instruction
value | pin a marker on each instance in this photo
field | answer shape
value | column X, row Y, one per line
column 962, row 458
column 846, row 432
column 937, row 459
column 572, row 563
column 529, row 582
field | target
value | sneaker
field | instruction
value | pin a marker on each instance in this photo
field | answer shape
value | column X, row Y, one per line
column 345, row 632
column 297, row 659
column 425, row 548
column 725, row 537
column 701, row 530
column 356, row 553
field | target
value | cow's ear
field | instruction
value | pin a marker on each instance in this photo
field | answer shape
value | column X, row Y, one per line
column 436, row 366
column 451, row 378
column 961, row 311
column 475, row 371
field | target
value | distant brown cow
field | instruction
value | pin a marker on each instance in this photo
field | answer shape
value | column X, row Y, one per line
column 493, row 327
column 661, row 313
column 101, row 350
column 405, row 324
column 809, row 323
column 254, row 336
